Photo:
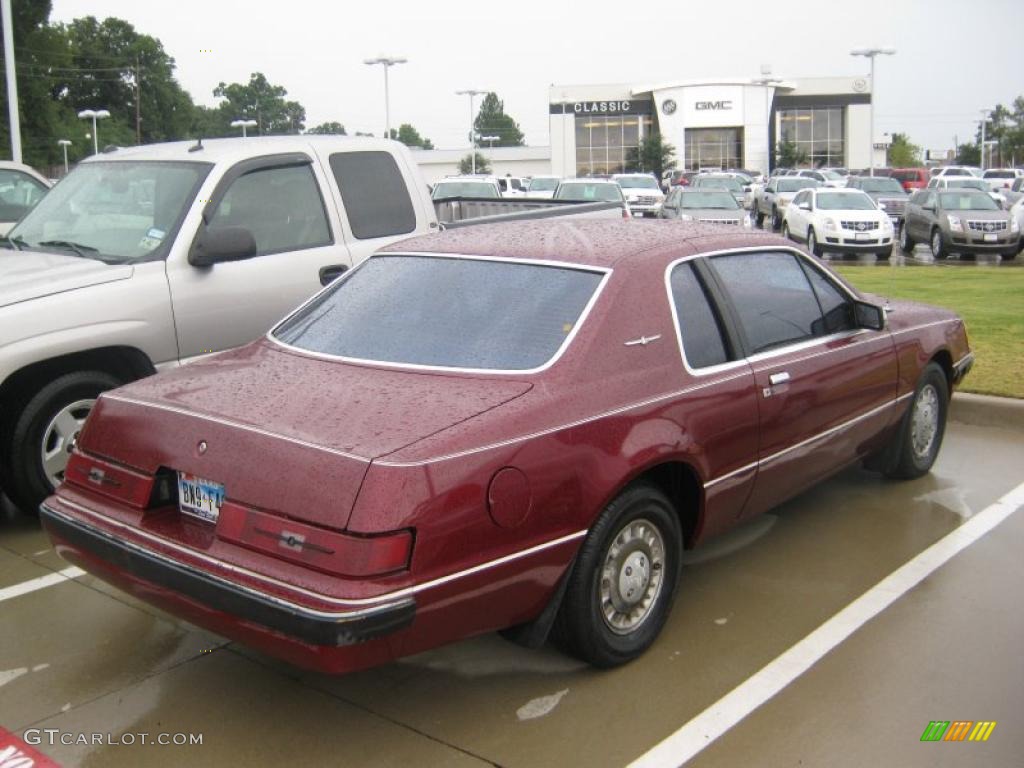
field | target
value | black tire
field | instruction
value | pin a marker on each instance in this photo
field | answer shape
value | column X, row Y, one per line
column 906, row 241
column 776, row 219
column 884, row 255
column 916, row 451
column 812, row 243
column 582, row 627
column 937, row 244
column 1010, row 255
column 26, row 481
column 785, row 231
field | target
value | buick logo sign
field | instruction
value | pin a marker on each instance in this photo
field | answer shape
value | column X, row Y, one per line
column 668, row 106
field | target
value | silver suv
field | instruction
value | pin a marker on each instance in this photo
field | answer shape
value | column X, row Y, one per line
column 959, row 221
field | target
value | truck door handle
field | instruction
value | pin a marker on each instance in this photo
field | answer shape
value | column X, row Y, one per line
column 778, row 378
column 332, row 272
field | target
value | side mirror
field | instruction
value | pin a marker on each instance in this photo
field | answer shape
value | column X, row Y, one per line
column 869, row 316
column 746, row 189
column 804, row 206
column 928, row 208
column 216, row 244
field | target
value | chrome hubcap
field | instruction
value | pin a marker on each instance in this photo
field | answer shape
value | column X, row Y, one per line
column 632, row 576
column 924, row 424
column 60, row 436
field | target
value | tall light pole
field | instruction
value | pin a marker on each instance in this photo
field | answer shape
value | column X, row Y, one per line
column 767, row 81
column 64, row 143
column 12, row 82
column 386, row 61
column 984, row 119
column 243, row 124
column 472, row 93
column 95, row 114
column 871, row 53
column 490, row 140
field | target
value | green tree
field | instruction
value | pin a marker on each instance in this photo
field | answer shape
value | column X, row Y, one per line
column 261, row 101
column 789, row 155
column 411, row 137
column 483, row 165
column 653, row 155
column 491, row 120
column 968, row 154
column 902, row 153
column 333, row 128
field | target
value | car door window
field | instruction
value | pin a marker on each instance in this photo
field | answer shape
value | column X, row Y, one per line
column 773, row 299
column 281, row 207
column 698, row 323
column 374, row 193
column 836, row 309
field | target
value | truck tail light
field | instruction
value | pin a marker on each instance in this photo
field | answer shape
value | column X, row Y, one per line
column 332, row 552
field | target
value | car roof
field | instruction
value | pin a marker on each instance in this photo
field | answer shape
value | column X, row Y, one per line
column 588, row 180
column 586, row 242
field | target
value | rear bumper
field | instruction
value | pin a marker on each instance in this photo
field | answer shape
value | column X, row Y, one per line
column 88, row 546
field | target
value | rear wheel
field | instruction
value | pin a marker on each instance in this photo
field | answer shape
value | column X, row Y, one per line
column 621, row 588
column 37, row 447
column 923, row 426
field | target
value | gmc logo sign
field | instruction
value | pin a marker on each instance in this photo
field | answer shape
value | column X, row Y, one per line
column 702, row 105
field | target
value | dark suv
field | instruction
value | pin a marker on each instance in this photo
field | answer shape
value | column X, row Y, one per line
column 959, row 221
column 884, row 190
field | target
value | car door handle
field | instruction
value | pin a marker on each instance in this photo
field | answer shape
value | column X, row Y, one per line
column 778, row 378
column 332, row 272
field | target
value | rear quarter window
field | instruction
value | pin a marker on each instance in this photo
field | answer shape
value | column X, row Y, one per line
column 374, row 194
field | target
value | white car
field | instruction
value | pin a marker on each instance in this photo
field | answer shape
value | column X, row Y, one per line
column 466, row 186
column 512, row 186
column 590, row 191
column 965, row 182
column 1017, row 211
column 543, row 186
column 1001, row 179
column 839, row 220
column 824, row 177
column 21, row 187
column 643, row 194
column 955, row 170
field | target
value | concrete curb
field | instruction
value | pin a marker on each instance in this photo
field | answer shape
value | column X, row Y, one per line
column 987, row 411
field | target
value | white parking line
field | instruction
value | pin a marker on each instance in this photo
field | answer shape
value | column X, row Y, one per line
column 58, row 577
column 713, row 722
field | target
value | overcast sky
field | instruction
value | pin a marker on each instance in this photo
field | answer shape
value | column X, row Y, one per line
column 953, row 58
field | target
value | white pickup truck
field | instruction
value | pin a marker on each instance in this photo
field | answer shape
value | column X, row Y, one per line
column 146, row 258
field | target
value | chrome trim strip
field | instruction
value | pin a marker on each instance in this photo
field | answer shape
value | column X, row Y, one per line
column 926, row 325
column 810, row 344
column 358, row 601
column 235, row 425
column 728, row 475
column 606, row 271
column 559, row 428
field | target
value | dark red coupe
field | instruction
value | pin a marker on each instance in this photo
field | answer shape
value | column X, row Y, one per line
column 507, row 426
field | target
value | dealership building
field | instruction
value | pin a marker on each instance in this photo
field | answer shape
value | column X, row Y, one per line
column 727, row 123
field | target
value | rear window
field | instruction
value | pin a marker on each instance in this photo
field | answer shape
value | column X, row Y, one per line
column 796, row 184
column 543, row 185
column 589, row 192
column 446, row 312
column 446, row 189
column 374, row 194
column 717, row 182
column 880, row 184
column 999, row 174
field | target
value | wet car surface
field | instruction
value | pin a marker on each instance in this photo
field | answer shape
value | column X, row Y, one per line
column 84, row 658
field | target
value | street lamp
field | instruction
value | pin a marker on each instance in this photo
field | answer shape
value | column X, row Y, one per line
column 95, row 114
column 491, row 140
column 243, row 124
column 386, row 61
column 984, row 119
column 472, row 134
column 871, row 53
column 767, row 81
column 65, row 144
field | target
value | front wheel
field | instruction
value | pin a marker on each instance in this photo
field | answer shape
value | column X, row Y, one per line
column 785, row 231
column 812, row 243
column 759, row 218
column 923, row 426
column 776, row 219
column 938, row 245
column 44, row 432
column 906, row 242
column 622, row 586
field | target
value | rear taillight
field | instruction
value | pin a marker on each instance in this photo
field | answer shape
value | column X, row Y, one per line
column 332, row 552
column 111, row 480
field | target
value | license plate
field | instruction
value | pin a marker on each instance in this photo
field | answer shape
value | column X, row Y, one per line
column 198, row 497
column 894, row 219
column 990, row 238
column 862, row 236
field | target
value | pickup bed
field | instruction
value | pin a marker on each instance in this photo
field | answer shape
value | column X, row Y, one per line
column 145, row 258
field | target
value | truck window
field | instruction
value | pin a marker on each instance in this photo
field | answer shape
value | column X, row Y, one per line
column 374, row 194
column 282, row 208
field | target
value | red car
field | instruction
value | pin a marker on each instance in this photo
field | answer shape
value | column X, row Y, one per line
column 911, row 178
column 512, row 426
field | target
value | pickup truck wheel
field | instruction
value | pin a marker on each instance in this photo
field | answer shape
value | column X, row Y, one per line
column 906, row 242
column 938, row 245
column 622, row 586
column 759, row 217
column 923, row 425
column 45, row 432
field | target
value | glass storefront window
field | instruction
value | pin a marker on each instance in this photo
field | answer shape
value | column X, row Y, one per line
column 603, row 143
column 817, row 132
column 713, row 148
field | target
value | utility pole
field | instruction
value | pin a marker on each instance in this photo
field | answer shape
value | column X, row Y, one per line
column 12, row 82
column 984, row 119
column 138, row 98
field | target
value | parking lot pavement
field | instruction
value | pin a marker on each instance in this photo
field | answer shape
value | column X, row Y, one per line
column 81, row 658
